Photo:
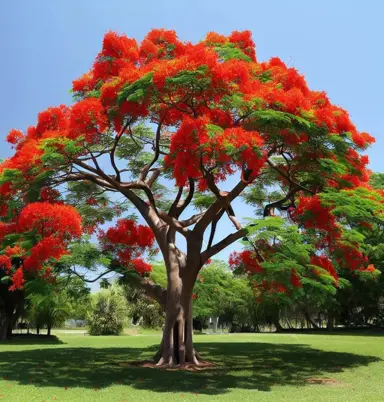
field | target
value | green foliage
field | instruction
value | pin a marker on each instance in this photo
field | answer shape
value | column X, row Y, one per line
column 109, row 312
column 275, row 119
column 190, row 80
column 203, row 201
column 229, row 52
column 49, row 310
column 213, row 290
column 377, row 181
column 136, row 91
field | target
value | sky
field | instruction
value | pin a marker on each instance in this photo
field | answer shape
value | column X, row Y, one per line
column 337, row 45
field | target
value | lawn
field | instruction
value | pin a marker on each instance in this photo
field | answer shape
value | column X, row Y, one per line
column 250, row 367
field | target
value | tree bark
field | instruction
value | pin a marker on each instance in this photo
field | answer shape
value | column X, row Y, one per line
column 310, row 321
column 276, row 320
column 330, row 321
column 176, row 347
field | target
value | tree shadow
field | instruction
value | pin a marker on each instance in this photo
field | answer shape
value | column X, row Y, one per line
column 32, row 339
column 239, row 365
column 376, row 332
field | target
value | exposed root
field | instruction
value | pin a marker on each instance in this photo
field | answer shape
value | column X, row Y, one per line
column 200, row 366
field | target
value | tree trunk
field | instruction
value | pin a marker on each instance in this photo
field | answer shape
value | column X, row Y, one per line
column 3, row 328
column 176, row 347
column 330, row 321
column 37, row 330
column 310, row 321
column 49, row 330
column 9, row 328
column 276, row 320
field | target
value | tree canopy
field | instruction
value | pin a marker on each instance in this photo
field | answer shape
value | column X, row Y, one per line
column 168, row 126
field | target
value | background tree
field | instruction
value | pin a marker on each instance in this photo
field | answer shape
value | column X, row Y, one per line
column 109, row 312
column 33, row 237
column 195, row 114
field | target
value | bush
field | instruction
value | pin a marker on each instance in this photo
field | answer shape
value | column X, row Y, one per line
column 109, row 312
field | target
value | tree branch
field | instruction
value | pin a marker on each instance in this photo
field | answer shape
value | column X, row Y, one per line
column 113, row 151
column 221, row 245
column 213, row 228
column 288, row 178
column 82, row 277
column 151, row 289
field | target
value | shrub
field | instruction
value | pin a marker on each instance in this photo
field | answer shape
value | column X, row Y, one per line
column 109, row 312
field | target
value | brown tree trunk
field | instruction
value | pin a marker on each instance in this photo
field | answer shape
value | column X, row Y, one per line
column 276, row 320
column 310, row 321
column 3, row 328
column 177, row 344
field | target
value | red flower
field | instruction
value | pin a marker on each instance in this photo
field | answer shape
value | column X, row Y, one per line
column 15, row 136
column 295, row 279
column 17, row 280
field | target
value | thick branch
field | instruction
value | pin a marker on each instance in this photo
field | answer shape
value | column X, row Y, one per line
column 151, row 288
column 174, row 223
column 225, row 200
column 279, row 204
column 221, row 245
column 192, row 220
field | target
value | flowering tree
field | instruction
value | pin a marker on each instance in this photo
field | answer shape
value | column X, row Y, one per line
column 165, row 111
column 32, row 240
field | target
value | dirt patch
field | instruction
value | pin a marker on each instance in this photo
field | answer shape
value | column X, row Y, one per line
column 325, row 381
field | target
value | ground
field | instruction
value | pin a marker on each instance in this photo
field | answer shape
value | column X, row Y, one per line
column 250, row 367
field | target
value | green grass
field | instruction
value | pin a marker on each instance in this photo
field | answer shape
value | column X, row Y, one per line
column 250, row 367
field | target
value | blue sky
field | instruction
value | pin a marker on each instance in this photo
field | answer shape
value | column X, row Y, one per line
column 337, row 45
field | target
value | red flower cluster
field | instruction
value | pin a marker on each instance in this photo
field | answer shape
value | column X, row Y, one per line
column 48, row 248
column 14, row 251
column 54, row 225
column 314, row 215
column 5, row 263
column 15, row 137
column 140, row 266
column 58, row 220
column 350, row 257
column 127, row 232
column 17, row 280
column 246, row 259
column 195, row 146
column 128, row 241
column 324, row 263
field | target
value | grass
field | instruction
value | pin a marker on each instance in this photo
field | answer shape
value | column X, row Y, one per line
column 250, row 367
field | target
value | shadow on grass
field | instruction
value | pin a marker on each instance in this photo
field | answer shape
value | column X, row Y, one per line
column 239, row 365
column 376, row 332
column 31, row 339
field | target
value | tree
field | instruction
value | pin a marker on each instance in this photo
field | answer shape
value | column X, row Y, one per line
column 109, row 313
column 32, row 238
column 200, row 116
